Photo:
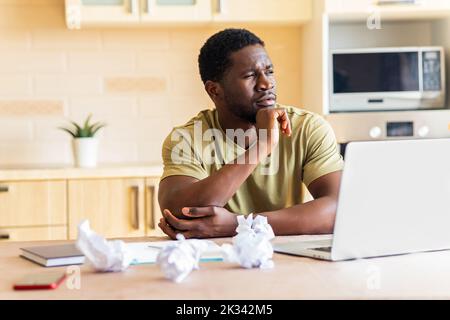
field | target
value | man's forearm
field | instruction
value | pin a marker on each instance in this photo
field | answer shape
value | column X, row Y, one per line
column 314, row 217
column 217, row 189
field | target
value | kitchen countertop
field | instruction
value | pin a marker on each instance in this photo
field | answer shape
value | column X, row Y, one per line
column 55, row 172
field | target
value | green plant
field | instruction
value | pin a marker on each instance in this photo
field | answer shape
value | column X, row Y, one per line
column 88, row 130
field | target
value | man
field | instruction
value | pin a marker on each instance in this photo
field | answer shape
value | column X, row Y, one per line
column 274, row 149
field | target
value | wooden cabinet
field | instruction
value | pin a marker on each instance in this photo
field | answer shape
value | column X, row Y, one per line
column 267, row 11
column 152, row 211
column 85, row 13
column 32, row 203
column 48, row 204
column 31, row 210
column 82, row 13
column 33, row 233
column 115, row 207
column 101, row 12
column 175, row 11
column 396, row 9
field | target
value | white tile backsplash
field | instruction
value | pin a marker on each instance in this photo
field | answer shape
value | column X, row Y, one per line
column 13, row 130
column 140, row 81
column 68, row 84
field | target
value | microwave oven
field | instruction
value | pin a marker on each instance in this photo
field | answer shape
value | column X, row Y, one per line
column 387, row 79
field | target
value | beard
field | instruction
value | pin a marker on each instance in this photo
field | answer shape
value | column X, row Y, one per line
column 242, row 111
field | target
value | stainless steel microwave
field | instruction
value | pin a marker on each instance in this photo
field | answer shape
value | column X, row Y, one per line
column 387, row 79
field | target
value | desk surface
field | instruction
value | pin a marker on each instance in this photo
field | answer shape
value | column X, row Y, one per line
column 422, row 275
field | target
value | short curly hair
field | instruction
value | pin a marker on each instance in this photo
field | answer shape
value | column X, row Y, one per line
column 214, row 57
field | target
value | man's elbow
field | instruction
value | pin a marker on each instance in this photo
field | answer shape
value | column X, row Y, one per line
column 175, row 193
column 175, row 203
column 168, row 202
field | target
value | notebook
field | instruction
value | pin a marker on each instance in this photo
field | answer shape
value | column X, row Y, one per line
column 53, row 256
column 144, row 253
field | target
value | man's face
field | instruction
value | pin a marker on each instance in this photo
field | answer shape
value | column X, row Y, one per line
column 249, row 83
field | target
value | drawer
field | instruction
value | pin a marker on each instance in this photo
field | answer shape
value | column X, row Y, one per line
column 33, row 233
column 33, row 203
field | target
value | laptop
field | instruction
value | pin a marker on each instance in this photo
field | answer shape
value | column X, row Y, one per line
column 394, row 199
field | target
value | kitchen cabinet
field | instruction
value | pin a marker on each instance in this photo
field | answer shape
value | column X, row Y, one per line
column 85, row 13
column 33, row 233
column 175, row 11
column 267, row 11
column 32, row 203
column 32, row 210
column 49, row 203
column 152, row 210
column 100, row 12
column 82, row 13
column 117, row 207
column 394, row 9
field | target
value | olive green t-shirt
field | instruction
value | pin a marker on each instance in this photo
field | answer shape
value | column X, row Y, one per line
column 201, row 147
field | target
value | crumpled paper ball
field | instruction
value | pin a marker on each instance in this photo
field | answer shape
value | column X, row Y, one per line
column 102, row 255
column 177, row 260
column 251, row 246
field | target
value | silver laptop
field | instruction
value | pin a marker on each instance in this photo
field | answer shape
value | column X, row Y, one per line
column 394, row 199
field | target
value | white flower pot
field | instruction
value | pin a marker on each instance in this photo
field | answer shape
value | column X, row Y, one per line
column 85, row 152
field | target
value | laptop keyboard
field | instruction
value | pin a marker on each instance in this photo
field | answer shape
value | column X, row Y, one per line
column 324, row 249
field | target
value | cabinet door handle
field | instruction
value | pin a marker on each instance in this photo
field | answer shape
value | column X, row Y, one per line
column 4, row 236
column 394, row 2
column 135, row 209
column 4, row 188
column 133, row 6
column 151, row 206
column 220, row 6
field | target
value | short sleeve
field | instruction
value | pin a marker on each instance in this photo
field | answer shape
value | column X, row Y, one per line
column 321, row 155
column 180, row 157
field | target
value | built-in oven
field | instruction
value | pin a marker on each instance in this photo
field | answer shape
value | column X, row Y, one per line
column 363, row 126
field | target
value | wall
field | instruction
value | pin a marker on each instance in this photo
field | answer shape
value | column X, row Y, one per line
column 417, row 33
column 441, row 36
column 312, row 42
column 141, row 81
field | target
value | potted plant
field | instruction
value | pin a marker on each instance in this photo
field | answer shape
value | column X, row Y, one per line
column 84, row 143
